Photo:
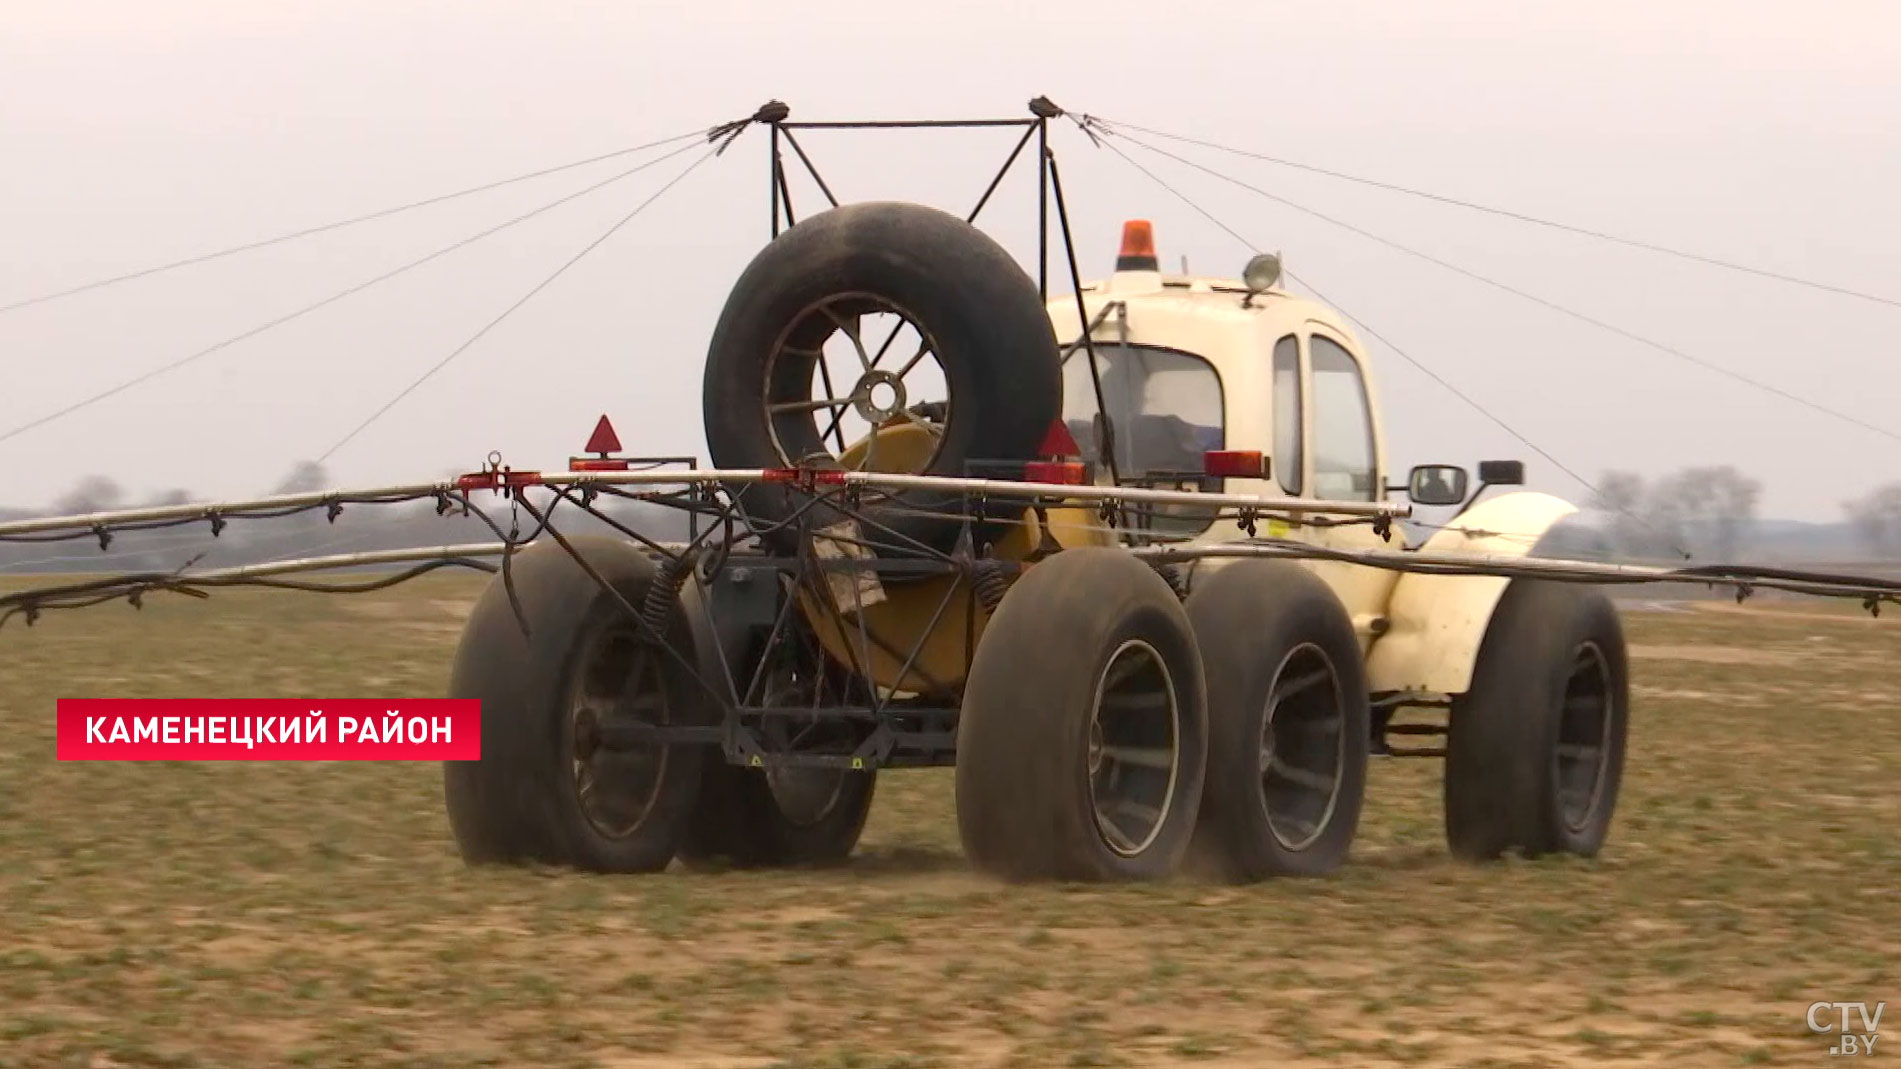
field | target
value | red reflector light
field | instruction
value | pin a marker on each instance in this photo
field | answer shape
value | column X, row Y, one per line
column 598, row 464
column 1064, row 472
column 1234, row 463
column 805, row 476
column 603, row 440
column 1058, row 442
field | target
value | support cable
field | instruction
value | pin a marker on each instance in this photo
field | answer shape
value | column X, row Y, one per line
column 1111, row 126
column 163, row 369
column 511, row 309
column 1523, row 294
column 340, row 224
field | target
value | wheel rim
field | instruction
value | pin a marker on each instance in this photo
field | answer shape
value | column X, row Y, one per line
column 1584, row 737
column 805, row 796
column 1134, row 748
column 823, row 378
column 1303, row 747
column 617, row 682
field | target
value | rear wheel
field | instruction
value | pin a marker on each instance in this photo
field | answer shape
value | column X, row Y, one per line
column 1083, row 737
column 757, row 817
column 1535, row 751
column 1287, row 722
column 751, row 817
column 560, row 781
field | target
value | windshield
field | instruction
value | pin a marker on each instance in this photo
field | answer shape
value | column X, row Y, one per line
column 1165, row 404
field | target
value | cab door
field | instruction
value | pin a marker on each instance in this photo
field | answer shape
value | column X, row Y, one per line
column 1341, row 458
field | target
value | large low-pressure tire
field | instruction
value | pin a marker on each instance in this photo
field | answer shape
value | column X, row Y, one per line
column 971, row 305
column 798, row 817
column 753, row 818
column 1083, row 736
column 548, row 788
column 1535, row 750
column 1288, row 728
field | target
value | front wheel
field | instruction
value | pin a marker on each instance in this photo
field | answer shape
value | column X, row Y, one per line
column 1535, row 749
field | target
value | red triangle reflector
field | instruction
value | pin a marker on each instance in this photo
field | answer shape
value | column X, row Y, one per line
column 603, row 440
column 1058, row 442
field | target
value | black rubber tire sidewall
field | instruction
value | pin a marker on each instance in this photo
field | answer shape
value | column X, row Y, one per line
column 738, row 821
column 1023, row 803
column 517, row 803
column 1248, row 616
column 993, row 339
column 1501, row 751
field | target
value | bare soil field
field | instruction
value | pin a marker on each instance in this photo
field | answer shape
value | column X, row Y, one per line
column 259, row 914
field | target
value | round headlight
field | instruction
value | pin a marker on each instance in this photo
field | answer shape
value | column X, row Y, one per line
column 1262, row 272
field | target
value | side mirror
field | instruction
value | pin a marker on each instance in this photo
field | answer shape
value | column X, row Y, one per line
column 1437, row 484
column 1502, row 472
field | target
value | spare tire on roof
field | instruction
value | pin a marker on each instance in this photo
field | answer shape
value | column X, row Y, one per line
column 970, row 326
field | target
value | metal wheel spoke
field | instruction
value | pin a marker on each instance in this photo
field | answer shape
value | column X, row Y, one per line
column 1285, row 688
column 1141, row 756
column 1139, row 702
column 1299, row 826
column 923, row 347
column 911, row 417
column 809, row 406
column 1114, row 830
column 838, row 413
column 1578, row 750
column 851, row 331
column 1325, row 725
column 878, row 357
column 1148, row 814
column 1120, row 672
column 1318, row 781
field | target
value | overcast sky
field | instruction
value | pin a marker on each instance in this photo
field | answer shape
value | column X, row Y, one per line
column 134, row 133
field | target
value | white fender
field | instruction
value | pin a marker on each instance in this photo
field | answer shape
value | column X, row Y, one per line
column 1435, row 623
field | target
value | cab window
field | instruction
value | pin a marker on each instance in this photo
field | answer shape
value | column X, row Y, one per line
column 1343, row 425
column 1286, row 460
column 1165, row 404
column 1167, row 410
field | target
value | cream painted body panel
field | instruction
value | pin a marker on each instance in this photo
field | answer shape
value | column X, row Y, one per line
column 1420, row 633
column 1437, row 622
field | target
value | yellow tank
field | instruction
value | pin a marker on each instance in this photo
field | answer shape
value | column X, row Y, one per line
column 873, row 629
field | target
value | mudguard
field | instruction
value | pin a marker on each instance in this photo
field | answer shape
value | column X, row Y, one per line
column 1435, row 623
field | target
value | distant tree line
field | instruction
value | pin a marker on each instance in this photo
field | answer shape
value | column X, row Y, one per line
column 1876, row 518
column 1705, row 512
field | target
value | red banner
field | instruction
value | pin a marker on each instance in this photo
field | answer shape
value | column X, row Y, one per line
column 245, row 729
